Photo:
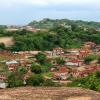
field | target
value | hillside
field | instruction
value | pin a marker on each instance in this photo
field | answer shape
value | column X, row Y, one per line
column 50, row 23
column 61, row 33
column 32, row 93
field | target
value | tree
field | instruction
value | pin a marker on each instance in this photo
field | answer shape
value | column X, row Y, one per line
column 36, row 69
column 2, row 46
column 41, row 58
column 10, row 80
column 88, row 59
column 48, row 83
column 22, row 70
column 35, row 80
column 60, row 61
column 14, row 81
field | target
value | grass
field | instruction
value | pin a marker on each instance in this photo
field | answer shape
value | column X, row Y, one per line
column 2, row 67
column 48, row 74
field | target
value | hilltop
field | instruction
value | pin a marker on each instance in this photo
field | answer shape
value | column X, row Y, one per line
column 50, row 93
column 50, row 23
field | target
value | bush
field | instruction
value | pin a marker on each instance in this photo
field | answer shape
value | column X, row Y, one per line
column 13, row 81
column 35, row 80
column 36, row 69
column 91, row 82
column 22, row 70
column 41, row 58
column 88, row 59
column 48, row 83
column 60, row 61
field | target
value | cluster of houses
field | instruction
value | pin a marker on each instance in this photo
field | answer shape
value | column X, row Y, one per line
column 74, row 61
column 28, row 28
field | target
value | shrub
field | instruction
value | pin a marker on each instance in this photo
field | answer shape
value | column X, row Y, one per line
column 35, row 80
column 48, row 83
column 36, row 69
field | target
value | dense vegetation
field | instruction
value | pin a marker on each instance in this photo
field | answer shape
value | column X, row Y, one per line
column 60, row 35
column 50, row 23
column 91, row 82
column 91, row 58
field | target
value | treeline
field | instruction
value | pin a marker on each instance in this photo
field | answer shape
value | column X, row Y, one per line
column 58, row 36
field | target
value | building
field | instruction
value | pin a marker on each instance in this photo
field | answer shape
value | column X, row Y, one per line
column 57, row 52
column 89, row 45
column 97, row 49
column 62, row 73
column 3, row 78
column 12, row 65
column 74, row 63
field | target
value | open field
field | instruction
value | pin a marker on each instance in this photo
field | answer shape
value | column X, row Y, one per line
column 51, row 93
column 8, row 41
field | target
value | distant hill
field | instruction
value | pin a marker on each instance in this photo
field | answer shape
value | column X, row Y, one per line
column 50, row 23
column 3, row 26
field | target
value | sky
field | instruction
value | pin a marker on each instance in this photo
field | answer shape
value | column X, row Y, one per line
column 21, row 12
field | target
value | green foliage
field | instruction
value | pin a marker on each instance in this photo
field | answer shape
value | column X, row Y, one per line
column 91, row 82
column 22, row 70
column 49, row 83
column 36, row 69
column 41, row 58
column 2, row 46
column 90, row 58
column 48, row 74
column 14, row 81
column 35, row 80
column 61, row 33
column 50, row 23
column 60, row 61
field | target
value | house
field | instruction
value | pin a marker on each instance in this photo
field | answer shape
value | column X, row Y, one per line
column 77, row 53
column 76, row 73
column 79, row 73
column 73, row 51
column 83, row 53
column 12, row 65
column 48, row 54
column 89, row 45
column 57, row 52
column 3, row 85
column 22, row 62
column 62, row 73
column 74, row 63
column 27, row 54
column 3, row 78
column 72, row 56
column 97, row 49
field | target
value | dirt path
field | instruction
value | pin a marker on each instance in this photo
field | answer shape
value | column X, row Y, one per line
column 8, row 41
column 43, row 93
column 80, row 98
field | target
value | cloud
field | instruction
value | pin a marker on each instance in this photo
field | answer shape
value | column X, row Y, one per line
column 46, row 2
column 22, row 11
